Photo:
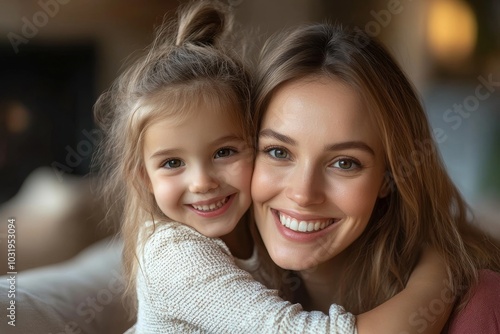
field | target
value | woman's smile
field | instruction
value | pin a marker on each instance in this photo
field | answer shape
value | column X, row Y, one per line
column 302, row 227
column 303, row 222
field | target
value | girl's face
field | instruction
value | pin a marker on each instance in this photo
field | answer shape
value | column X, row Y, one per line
column 318, row 172
column 199, row 169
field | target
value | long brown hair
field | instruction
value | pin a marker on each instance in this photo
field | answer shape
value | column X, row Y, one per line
column 424, row 208
column 192, row 59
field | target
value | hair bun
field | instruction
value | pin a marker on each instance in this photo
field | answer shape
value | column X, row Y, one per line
column 203, row 22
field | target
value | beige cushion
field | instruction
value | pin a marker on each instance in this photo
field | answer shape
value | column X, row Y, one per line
column 55, row 219
column 84, row 293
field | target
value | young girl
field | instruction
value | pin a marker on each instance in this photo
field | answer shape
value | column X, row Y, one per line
column 178, row 148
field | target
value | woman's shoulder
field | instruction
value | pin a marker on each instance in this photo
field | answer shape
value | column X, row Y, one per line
column 481, row 314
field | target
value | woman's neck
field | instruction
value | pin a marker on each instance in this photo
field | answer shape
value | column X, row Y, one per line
column 321, row 285
column 239, row 241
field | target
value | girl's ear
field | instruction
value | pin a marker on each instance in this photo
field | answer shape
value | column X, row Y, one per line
column 143, row 174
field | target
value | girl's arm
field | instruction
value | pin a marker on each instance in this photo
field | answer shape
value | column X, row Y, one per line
column 188, row 282
column 423, row 307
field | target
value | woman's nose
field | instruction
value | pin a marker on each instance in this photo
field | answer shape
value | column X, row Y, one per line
column 305, row 187
column 202, row 181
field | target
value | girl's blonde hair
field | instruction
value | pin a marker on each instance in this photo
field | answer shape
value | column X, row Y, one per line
column 424, row 208
column 190, row 63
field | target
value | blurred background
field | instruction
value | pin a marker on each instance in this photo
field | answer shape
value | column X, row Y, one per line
column 58, row 56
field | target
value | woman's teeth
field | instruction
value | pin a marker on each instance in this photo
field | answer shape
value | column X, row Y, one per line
column 211, row 207
column 304, row 226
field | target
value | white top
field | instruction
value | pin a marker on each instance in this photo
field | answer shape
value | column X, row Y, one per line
column 189, row 283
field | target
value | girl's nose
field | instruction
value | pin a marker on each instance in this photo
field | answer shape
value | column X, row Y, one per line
column 202, row 181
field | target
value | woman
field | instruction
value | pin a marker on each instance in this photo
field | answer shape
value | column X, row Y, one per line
column 333, row 203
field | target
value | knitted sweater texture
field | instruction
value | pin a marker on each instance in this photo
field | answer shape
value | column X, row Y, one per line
column 189, row 283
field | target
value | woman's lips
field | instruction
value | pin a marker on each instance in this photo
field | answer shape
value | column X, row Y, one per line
column 302, row 228
column 303, row 225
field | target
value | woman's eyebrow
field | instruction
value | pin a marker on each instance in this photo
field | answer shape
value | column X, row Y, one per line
column 350, row 145
column 268, row 133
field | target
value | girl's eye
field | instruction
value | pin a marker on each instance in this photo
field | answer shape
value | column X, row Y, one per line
column 173, row 163
column 346, row 164
column 277, row 153
column 224, row 152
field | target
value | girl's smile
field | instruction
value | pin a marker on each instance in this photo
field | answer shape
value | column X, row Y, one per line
column 212, row 208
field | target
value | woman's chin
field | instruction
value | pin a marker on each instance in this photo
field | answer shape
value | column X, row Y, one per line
column 292, row 262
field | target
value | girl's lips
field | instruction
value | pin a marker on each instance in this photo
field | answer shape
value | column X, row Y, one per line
column 302, row 228
column 212, row 208
column 209, row 201
column 210, row 205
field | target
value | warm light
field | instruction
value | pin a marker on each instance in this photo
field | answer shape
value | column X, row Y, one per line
column 452, row 30
column 17, row 118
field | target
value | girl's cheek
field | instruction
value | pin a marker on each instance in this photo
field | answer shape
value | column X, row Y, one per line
column 168, row 189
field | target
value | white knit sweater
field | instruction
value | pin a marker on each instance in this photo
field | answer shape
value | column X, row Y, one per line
column 189, row 283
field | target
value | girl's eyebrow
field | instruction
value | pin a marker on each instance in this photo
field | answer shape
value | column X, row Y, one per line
column 165, row 152
column 173, row 152
column 224, row 139
column 354, row 144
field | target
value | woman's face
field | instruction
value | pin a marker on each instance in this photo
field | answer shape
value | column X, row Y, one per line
column 318, row 172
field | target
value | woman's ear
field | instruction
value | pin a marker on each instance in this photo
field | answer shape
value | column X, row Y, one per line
column 386, row 187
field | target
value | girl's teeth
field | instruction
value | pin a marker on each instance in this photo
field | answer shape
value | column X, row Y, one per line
column 211, row 207
column 303, row 226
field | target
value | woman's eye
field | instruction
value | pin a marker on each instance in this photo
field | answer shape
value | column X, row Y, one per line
column 278, row 153
column 346, row 164
column 224, row 152
column 173, row 163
